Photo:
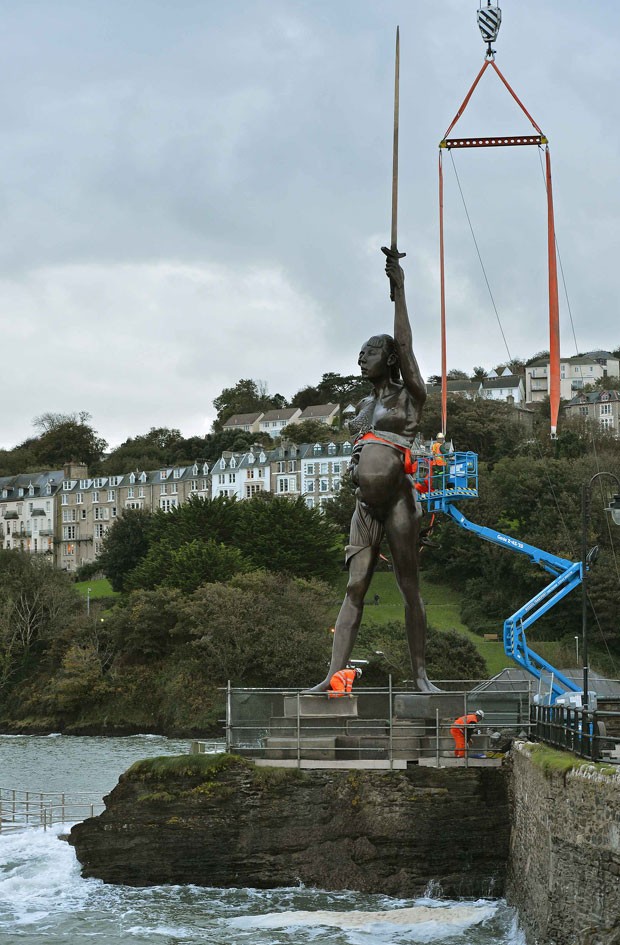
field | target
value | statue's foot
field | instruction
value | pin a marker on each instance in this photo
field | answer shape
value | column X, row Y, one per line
column 423, row 684
column 320, row 687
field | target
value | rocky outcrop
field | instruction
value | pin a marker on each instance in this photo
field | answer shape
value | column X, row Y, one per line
column 565, row 848
column 221, row 821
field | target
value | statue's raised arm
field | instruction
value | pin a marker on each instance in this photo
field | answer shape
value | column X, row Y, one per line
column 410, row 371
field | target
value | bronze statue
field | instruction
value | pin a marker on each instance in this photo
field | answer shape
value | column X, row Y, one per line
column 384, row 426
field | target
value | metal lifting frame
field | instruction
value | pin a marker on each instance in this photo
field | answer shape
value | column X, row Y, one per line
column 567, row 575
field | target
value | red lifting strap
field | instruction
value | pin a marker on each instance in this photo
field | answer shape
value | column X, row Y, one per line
column 503, row 141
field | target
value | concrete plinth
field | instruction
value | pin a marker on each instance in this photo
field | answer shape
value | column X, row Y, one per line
column 321, row 705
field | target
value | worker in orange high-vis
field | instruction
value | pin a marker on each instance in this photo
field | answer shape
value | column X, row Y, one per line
column 341, row 682
column 438, row 463
column 461, row 728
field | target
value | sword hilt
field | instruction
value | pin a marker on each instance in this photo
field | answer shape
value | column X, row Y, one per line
column 392, row 253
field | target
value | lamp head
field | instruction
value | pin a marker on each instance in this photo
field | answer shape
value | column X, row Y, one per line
column 614, row 509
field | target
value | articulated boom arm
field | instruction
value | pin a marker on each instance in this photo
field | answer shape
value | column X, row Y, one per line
column 567, row 574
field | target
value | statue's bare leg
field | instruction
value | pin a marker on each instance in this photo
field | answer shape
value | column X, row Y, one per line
column 402, row 527
column 361, row 569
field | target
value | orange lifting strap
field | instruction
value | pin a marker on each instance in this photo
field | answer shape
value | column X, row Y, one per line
column 495, row 142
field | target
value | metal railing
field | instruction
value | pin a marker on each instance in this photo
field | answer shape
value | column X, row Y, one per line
column 20, row 809
column 372, row 727
column 581, row 731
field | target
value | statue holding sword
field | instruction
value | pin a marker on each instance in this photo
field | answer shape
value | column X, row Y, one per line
column 384, row 427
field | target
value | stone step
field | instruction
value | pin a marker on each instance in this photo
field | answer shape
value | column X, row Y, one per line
column 361, row 746
column 320, row 705
column 319, row 749
column 281, row 725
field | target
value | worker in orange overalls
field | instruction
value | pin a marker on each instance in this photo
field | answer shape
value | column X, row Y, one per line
column 460, row 727
column 341, row 682
column 438, row 463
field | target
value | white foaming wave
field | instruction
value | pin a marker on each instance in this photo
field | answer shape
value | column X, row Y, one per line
column 38, row 874
column 427, row 922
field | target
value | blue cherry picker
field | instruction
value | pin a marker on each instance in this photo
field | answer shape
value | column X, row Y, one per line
column 439, row 488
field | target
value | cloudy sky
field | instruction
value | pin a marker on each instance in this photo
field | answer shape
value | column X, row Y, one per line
column 195, row 192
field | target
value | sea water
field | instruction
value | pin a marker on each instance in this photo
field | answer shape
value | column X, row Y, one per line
column 43, row 898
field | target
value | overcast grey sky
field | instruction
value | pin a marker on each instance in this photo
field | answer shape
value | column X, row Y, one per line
column 195, row 192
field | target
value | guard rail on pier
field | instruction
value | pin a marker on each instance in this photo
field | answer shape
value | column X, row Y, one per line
column 20, row 809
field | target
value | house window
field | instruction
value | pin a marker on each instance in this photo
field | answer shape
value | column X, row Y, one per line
column 324, row 469
column 101, row 514
column 66, row 485
column 193, row 486
column 250, row 474
column 292, row 466
column 324, row 485
column 113, row 512
column 68, row 532
column 79, row 498
column 95, row 497
column 310, row 502
column 605, row 410
column 336, row 485
column 114, row 480
column 130, row 492
column 309, row 485
column 176, row 473
column 252, row 488
column 281, row 467
column 204, row 485
column 99, row 530
column 261, row 473
column 141, row 492
column 83, row 513
column 607, row 423
column 69, row 549
column 331, row 449
column 167, row 504
column 174, row 488
column 221, row 479
column 163, row 489
column 310, row 469
column 64, row 500
column 232, row 477
column 335, row 467
column 583, row 411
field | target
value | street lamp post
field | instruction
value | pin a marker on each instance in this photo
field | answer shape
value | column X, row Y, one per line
column 614, row 510
column 88, row 601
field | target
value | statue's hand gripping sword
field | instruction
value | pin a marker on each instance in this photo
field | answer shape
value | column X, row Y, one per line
column 392, row 252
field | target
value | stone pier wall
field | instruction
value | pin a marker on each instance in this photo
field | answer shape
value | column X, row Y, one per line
column 564, row 868
column 221, row 821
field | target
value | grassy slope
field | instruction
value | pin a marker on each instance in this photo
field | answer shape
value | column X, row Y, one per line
column 98, row 589
column 443, row 610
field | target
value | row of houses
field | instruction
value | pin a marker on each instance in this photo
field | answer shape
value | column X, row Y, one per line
column 66, row 513
column 273, row 422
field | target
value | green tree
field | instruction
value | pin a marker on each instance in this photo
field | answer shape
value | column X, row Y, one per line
column 36, row 603
column 284, row 535
column 310, row 431
column 187, row 566
column 125, row 544
column 262, row 629
column 246, row 396
column 67, row 437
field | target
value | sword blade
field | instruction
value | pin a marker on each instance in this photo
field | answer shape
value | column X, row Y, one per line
column 394, row 240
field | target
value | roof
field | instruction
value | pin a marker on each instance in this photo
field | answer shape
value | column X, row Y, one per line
column 319, row 410
column 285, row 414
column 470, row 386
column 514, row 678
column 506, row 380
column 594, row 397
column 241, row 419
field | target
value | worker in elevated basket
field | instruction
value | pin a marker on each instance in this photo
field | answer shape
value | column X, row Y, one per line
column 462, row 728
column 341, row 682
column 438, row 463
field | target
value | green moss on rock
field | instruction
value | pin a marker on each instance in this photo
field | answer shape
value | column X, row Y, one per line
column 166, row 767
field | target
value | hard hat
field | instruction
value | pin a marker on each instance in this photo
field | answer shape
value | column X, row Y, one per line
column 358, row 672
column 479, row 713
column 441, row 436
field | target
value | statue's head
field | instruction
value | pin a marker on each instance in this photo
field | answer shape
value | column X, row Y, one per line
column 379, row 358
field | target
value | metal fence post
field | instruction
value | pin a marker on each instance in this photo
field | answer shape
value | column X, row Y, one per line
column 437, row 737
column 391, row 752
column 228, row 716
column 466, row 730
column 298, row 732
